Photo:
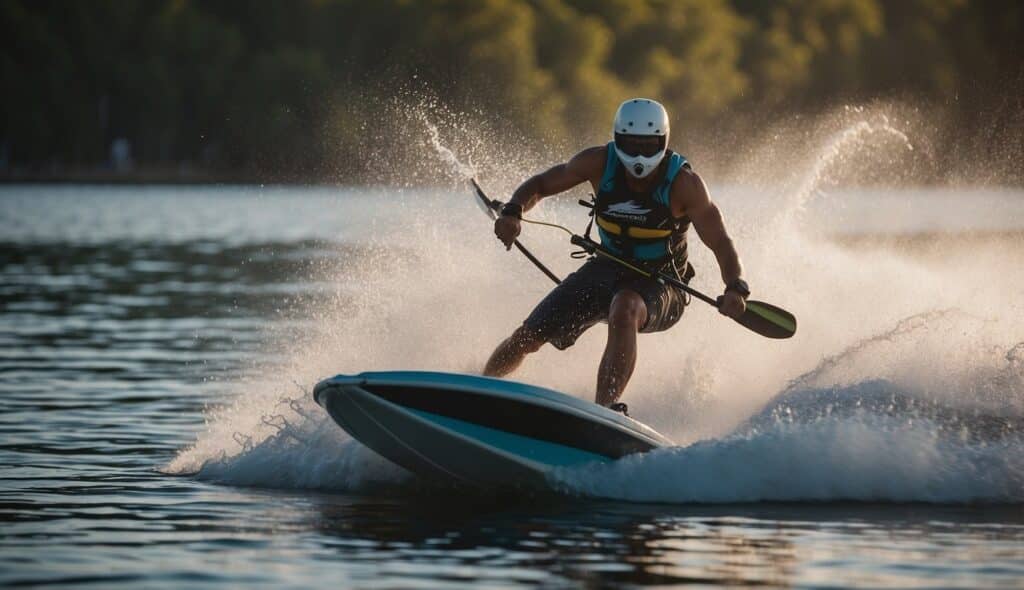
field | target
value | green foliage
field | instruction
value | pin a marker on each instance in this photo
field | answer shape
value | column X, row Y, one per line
column 276, row 86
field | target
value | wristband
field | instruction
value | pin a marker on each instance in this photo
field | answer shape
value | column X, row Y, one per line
column 512, row 210
column 740, row 287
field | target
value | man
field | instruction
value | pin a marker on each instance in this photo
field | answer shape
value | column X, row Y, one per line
column 646, row 198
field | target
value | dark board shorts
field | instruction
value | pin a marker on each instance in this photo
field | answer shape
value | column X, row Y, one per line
column 585, row 296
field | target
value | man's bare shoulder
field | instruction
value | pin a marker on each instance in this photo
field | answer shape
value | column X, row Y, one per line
column 688, row 181
column 592, row 155
column 689, row 193
column 590, row 161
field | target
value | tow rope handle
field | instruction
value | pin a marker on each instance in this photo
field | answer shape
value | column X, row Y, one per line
column 492, row 207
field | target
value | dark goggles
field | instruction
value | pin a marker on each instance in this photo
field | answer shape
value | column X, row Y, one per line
column 640, row 145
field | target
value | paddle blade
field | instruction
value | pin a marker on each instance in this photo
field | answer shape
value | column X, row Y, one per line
column 768, row 320
column 486, row 205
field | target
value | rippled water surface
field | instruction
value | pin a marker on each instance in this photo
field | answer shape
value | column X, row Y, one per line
column 156, row 347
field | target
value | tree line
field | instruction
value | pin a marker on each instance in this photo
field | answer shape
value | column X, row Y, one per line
column 298, row 89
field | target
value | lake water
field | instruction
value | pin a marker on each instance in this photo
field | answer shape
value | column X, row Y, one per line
column 157, row 347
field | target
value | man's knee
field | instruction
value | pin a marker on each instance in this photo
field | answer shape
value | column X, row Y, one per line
column 526, row 339
column 628, row 311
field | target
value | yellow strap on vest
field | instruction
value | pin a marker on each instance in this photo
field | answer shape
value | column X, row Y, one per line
column 608, row 226
column 642, row 233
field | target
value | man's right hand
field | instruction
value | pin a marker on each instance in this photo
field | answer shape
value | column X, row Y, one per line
column 507, row 228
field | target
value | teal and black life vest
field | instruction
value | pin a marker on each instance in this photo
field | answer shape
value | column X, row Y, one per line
column 640, row 226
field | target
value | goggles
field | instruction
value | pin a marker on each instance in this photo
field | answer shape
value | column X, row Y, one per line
column 640, row 145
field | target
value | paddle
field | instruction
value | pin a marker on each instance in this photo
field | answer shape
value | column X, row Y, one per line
column 763, row 318
column 491, row 208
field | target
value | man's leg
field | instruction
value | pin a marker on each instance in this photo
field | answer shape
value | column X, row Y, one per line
column 627, row 315
column 511, row 352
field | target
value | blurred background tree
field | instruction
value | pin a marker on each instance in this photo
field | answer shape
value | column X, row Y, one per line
column 295, row 90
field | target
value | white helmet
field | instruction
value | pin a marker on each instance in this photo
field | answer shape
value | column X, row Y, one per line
column 636, row 122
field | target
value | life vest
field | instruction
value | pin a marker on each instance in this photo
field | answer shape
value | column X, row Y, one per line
column 640, row 226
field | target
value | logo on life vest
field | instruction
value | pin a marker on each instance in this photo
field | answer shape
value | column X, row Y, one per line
column 628, row 211
column 628, row 208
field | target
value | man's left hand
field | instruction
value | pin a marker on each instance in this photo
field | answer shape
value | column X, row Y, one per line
column 733, row 304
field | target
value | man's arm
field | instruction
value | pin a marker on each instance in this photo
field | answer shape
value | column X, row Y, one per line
column 584, row 166
column 690, row 197
column 558, row 179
